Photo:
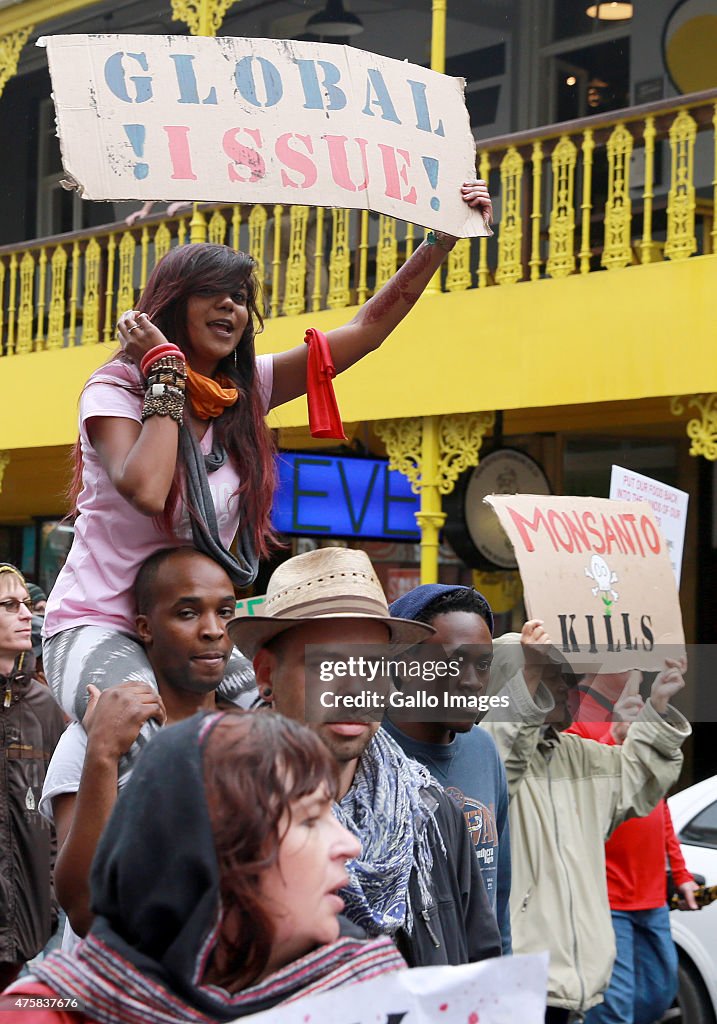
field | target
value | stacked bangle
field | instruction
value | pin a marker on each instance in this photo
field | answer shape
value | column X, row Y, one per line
column 165, row 369
column 169, row 370
column 165, row 349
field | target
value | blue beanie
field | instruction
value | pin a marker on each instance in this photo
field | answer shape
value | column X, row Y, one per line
column 413, row 603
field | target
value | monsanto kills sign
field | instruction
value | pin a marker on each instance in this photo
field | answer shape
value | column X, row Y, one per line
column 262, row 121
column 598, row 573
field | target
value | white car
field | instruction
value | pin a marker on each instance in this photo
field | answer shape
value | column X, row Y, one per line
column 694, row 815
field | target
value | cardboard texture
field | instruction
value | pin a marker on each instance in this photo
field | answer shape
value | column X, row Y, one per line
column 262, row 121
column 598, row 573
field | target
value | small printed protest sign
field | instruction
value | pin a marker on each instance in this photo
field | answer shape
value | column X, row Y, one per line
column 598, row 573
column 262, row 121
column 668, row 504
column 250, row 605
column 498, row 991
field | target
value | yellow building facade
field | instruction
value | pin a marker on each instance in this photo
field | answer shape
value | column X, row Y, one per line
column 581, row 331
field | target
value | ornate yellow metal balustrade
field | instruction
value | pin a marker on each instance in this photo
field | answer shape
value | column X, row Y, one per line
column 69, row 289
column 605, row 192
column 570, row 202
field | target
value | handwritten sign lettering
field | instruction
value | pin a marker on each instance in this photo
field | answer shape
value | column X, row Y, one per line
column 598, row 573
column 668, row 504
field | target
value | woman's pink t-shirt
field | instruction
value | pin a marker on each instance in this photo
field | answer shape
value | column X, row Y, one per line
column 112, row 538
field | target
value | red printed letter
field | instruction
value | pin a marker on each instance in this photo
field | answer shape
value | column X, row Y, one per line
column 650, row 534
column 538, row 520
column 340, row 163
column 394, row 176
column 179, row 153
column 243, row 155
column 296, row 161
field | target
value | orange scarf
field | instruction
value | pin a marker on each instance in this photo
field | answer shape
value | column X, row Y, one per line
column 208, row 397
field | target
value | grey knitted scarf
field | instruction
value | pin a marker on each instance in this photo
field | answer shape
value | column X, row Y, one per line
column 242, row 567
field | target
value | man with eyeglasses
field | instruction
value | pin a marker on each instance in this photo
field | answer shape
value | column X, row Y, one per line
column 31, row 723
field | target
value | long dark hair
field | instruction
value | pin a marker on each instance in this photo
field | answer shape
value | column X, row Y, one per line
column 256, row 765
column 187, row 270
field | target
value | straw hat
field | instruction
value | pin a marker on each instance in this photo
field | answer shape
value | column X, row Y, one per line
column 329, row 583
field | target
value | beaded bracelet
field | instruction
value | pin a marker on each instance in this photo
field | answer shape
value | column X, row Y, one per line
column 168, row 359
column 165, row 349
column 168, row 369
column 433, row 239
column 162, row 400
column 168, row 376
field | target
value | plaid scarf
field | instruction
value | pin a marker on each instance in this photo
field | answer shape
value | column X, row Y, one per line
column 386, row 810
column 112, row 990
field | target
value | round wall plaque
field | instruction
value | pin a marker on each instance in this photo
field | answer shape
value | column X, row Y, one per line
column 472, row 527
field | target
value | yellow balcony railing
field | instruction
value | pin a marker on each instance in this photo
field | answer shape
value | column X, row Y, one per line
column 602, row 193
column 70, row 289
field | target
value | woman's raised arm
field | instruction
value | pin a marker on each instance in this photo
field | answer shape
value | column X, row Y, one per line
column 382, row 313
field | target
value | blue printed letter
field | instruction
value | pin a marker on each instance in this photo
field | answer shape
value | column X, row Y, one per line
column 187, row 80
column 117, row 82
column 244, row 77
column 313, row 89
column 382, row 100
column 423, row 118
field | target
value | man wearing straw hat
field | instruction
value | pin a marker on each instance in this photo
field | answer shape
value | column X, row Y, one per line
column 417, row 877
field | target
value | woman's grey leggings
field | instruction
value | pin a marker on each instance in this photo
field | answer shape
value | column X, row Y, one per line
column 105, row 657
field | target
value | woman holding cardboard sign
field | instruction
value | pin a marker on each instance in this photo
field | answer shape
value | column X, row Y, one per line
column 174, row 449
column 224, row 904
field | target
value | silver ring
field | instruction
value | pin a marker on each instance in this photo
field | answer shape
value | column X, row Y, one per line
column 136, row 327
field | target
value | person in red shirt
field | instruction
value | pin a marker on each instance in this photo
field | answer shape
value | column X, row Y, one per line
column 595, row 697
column 644, row 978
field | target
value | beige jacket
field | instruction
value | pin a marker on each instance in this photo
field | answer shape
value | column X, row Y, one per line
column 567, row 794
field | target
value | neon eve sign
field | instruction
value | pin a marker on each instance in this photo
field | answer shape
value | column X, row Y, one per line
column 343, row 497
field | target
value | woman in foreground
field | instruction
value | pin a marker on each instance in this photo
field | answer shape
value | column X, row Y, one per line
column 215, row 890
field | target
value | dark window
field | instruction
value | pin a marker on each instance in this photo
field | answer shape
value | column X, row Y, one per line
column 702, row 830
column 570, row 18
column 592, row 79
column 482, row 105
column 588, row 462
column 488, row 62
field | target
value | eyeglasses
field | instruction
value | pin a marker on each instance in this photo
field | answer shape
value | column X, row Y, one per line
column 12, row 605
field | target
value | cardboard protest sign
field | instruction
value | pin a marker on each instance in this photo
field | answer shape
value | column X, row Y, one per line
column 668, row 504
column 491, row 992
column 598, row 573
column 262, row 121
column 250, row 605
